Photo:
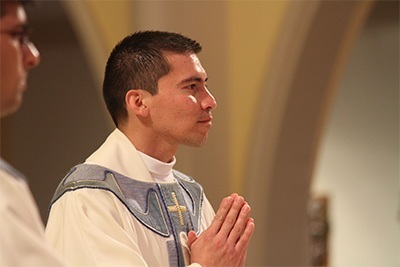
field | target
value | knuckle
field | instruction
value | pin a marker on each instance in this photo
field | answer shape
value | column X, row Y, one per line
column 230, row 220
column 237, row 230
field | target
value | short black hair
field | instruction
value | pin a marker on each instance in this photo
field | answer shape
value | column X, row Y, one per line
column 138, row 62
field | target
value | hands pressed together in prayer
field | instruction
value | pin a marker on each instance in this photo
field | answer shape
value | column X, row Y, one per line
column 225, row 242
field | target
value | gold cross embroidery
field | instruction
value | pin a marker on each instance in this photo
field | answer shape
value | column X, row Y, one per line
column 177, row 208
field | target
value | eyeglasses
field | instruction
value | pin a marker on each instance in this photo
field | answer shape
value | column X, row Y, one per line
column 23, row 35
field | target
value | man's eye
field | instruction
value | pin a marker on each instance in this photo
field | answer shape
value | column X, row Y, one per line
column 191, row 86
column 17, row 35
column 23, row 35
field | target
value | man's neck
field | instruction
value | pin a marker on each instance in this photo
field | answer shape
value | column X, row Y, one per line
column 149, row 145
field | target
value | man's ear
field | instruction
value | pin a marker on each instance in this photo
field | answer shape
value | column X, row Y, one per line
column 134, row 102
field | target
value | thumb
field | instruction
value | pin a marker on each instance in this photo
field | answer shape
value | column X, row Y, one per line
column 192, row 236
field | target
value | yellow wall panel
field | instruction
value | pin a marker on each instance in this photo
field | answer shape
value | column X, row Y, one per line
column 113, row 19
column 253, row 29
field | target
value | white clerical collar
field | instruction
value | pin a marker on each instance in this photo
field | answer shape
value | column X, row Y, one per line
column 119, row 154
column 160, row 171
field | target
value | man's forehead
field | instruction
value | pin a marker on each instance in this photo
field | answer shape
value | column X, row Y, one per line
column 13, row 13
column 197, row 63
column 185, row 68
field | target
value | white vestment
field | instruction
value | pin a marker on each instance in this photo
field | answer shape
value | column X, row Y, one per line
column 93, row 227
column 22, row 239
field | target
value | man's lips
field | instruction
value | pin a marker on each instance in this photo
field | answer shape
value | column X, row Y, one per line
column 206, row 119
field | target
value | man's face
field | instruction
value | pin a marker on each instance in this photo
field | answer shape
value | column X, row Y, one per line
column 17, row 56
column 181, row 110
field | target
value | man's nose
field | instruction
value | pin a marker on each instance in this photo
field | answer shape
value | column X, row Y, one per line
column 31, row 56
column 209, row 101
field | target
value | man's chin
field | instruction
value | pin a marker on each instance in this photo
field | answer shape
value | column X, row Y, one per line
column 200, row 143
column 9, row 111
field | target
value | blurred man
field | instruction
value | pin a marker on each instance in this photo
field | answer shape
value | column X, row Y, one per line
column 22, row 240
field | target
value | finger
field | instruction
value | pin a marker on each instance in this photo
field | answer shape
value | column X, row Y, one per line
column 221, row 214
column 243, row 259
column 192, row 236
column 244, row 240
column 239, row 225
column 231, row 217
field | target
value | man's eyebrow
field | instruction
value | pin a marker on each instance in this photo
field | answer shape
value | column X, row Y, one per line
column 193, row 79
column 23, row 26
